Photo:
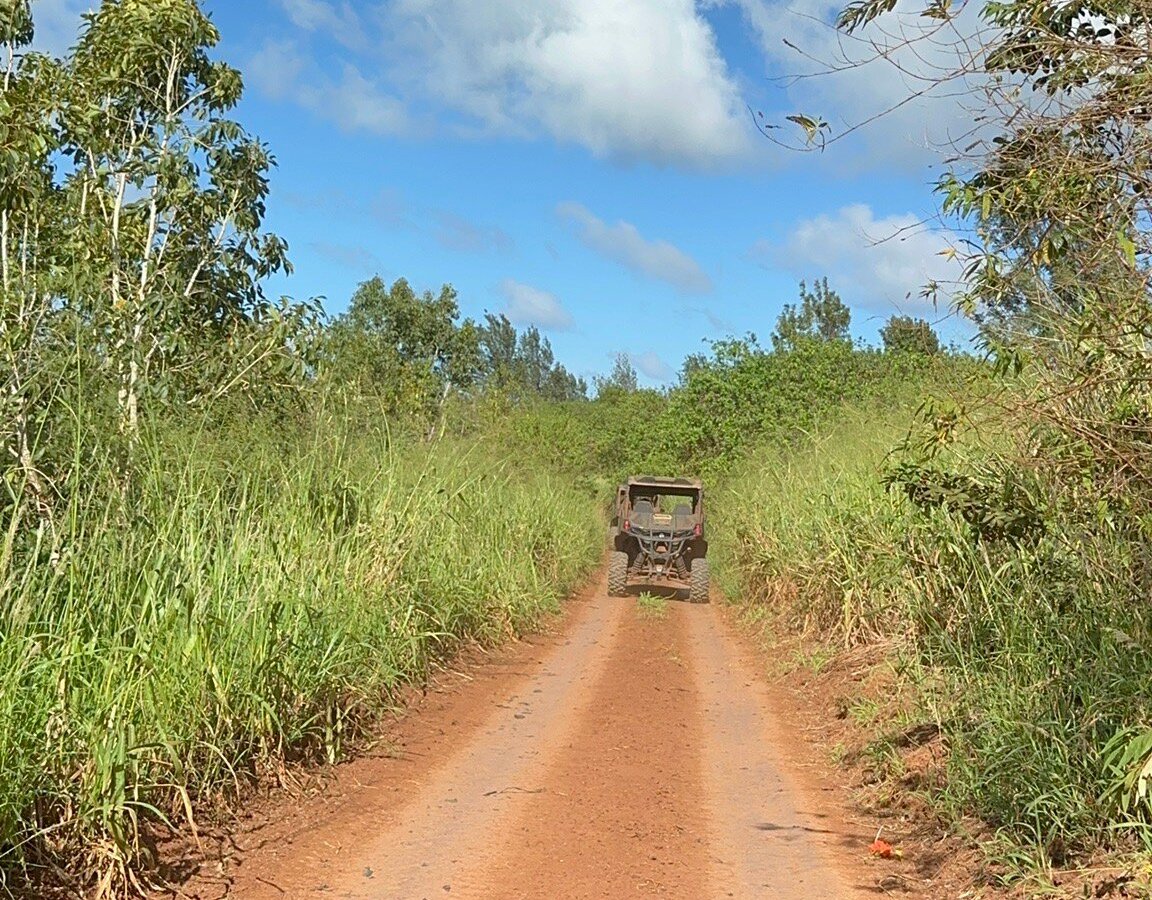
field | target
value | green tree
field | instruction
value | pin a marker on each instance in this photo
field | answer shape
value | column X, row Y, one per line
column 535, row 359
column 821, row 316
column 16, row 27
column 406, row 349
column 163, row 198
column 621, row 380
column 29, row 223
column 1058, row 205
column 132, row 252
column 693, row 363
column 904, row 334
column 562, row 386
column 523, row 365
column 743, row 396
column 498, row 347
column 542, row 374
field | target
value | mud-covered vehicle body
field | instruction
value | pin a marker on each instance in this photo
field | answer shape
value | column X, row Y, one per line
column 658, row 536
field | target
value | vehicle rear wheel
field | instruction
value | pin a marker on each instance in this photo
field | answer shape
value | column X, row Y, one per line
column 617, row 573
column 699, row 581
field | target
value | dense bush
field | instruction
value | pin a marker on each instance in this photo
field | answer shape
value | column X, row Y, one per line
column 729, row 403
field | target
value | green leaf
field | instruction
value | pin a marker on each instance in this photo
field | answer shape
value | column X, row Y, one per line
column 1127, row 247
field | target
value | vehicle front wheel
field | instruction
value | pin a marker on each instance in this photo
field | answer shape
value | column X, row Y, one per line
column 617, row 573
column 698, row 584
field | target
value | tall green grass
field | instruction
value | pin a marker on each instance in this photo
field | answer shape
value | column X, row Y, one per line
column 1031, row 655
column 788, row 527
column 243, row 599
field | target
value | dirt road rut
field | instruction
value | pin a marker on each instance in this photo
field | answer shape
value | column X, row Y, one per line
column 634, row 753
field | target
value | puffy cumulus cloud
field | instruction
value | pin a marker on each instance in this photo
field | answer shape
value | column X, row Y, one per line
column 885, row 261
column 642, row 80
column 637, row 81
column 652, row 365
column 624, row 244
column 905, row 87
column 531, row 306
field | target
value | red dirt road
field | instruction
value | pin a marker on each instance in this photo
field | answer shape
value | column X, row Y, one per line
column 631, row 754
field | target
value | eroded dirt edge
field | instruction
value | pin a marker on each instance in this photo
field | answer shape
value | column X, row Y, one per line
column 877, row 766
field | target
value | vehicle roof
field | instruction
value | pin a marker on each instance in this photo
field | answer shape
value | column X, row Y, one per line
column 661, row 481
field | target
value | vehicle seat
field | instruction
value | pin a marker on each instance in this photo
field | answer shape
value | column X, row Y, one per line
column 682, row 517
column 642, row 513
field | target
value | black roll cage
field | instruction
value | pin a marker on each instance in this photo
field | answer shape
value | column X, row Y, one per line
column 661, row 545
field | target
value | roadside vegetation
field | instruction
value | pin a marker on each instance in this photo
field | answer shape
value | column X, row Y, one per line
column 253, row 599
column 231, row 528
column 1010, row 603
column 996, row 540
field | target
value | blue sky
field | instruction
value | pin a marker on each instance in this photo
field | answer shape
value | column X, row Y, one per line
column 587, row 166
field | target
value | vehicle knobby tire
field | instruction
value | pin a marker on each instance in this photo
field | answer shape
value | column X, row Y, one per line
column 699, row 581
column 617, row 573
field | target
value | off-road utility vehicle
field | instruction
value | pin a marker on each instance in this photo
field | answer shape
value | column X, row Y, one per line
column 658, row 536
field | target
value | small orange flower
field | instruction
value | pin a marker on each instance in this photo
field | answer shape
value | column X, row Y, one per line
column 882, row 849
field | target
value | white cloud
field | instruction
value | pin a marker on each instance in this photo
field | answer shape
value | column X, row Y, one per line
column 339, row 21
column 652, row 365
column 531, row 306
column 284, row 71
column 623, row 243
column 913, row 75
column 636, row 81
column 882, row 264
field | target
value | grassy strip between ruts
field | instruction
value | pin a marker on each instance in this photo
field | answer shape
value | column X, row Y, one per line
column 246, row 599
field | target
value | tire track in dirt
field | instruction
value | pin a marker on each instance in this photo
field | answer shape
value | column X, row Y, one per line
column 634, row 756
column 430, row 845
column 769, row 839
column 622, row 812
